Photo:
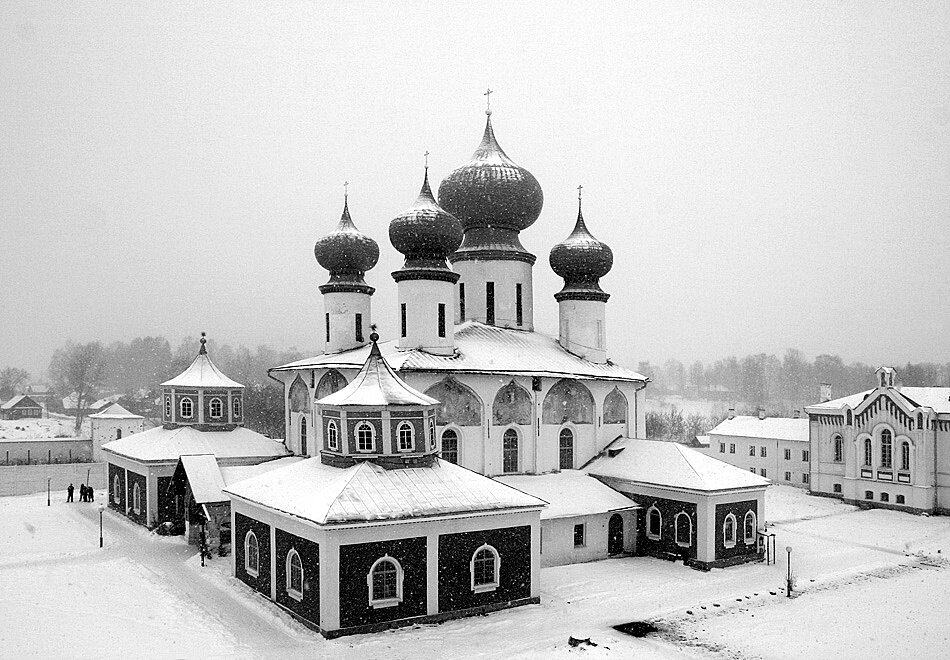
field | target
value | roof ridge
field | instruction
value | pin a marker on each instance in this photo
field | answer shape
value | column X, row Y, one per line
column 344, row 483
column 686, row 458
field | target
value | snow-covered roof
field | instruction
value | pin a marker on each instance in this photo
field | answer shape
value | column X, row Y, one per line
column 19, row 398
column 570, row 493
column 702, row 440
column 115, row 411
column 235, row 473
column 363, row 492
column 377, row 385
column 670, row 465
column 771, row 428
column 481, row 348
column 937, row 398
column 208, row 479
column 161, row 444
column 201, row 373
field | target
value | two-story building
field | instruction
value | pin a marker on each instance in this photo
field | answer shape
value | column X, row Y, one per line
column 773, row 447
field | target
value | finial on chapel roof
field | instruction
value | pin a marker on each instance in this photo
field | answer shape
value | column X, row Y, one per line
column 487, row 95
column 373, row 336
column 203, row 350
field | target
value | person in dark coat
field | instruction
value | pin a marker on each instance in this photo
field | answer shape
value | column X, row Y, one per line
column 82, row 492
column 91, row 493
column 69, row 493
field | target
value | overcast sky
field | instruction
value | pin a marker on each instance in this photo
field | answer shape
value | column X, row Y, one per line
column 768, row 175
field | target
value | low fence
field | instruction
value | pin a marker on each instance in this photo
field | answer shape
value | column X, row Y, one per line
column 26, row 479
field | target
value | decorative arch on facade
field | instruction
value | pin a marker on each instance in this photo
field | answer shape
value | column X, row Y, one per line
column 298, row 398
column 654, row 523
column 683, row 529
column 458, row 404
column 332, row 381
column 615, row 407
column 568, row 401
column 512, row 405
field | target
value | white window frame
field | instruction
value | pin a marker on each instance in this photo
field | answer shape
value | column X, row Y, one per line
column 116, row 490
column 905, row 465
column 676, row 530
column 488, row 586
column 372, row 437
column 191, row 407
column 253, row 571
column 385, row 602
column 517, row 437
column 432, row 441
column 788, row 476
column 726, row 541
column 650, row 534
column 168, row 407
column 136, row 498
column 296, row 594
column 333, row 435
column 216, row 401
column 837, row 448
column 787, row 454
column 412, row 436
column 751, row 450
column 236, row 407
column 458, row 444
column 745, row 527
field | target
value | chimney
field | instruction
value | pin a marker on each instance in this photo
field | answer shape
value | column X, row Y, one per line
column 732, row 413
column 825, row 392
column 761, row 413
column 796, row 413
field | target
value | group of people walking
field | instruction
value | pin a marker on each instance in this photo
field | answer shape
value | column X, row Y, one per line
column 86, row 493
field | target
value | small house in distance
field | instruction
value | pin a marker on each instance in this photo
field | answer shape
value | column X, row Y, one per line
column 113, row 423
column 21, row 406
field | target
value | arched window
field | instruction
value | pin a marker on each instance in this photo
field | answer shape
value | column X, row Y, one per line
column 905, row 455
column 168, row 407
column 566, row 449
column 118, row 434
column 294, row 575
column 333, row 436
column 684, row 530
column 848, row 418
column 186, row 408
column 235, row 407
column 432, row 434
column 654, row 523
column 510, row 451
column 568, row 401
column 450, row 446
column 216, row 408
column 332, row 381
column 615, row 407
column 116, row 490
column 365, row 437
column 458, row 404
column 137, row 498
column 749, row 527
column 406, row 436
column 887, row 448
column 298, row 397
column 303, row 436
column 384, row 582
column 251, row 554
column 485, row 568
column 868, row 454
column 512, row 405
column 920, row 420
column 839, row 449
column 729, row 531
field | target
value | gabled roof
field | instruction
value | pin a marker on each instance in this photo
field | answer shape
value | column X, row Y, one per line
column 377, row 385
column 161, row 444
column 365, row 492
column 771, row 428
column 937, row 398
column 115, row 411
column 20, row 400
column 670, row 465
column 570, row 493
column 201, row 373
column 481, row 348
column 208, row 479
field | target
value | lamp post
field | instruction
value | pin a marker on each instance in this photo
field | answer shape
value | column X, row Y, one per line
column 788, row 578
column 48, row 479
column 102, row 507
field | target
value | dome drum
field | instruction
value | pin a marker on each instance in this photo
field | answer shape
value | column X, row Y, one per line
column 492, row 243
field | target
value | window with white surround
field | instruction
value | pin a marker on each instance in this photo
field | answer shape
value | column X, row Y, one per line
column 186, row 408
column 751, row 450
column 384, row 582
column 788, row 454
column 116, row 490
column 722, row 447
column 729, row 531
column 251, row 554
column 900, row 499
column 749, row 528
column 805, row 456
column 216, row 408
column 905, row 455
column 333, row 436
column 406, row 434
column 485, row 568
column 136, row 498
column 839, row 449
column 788, row 476
column 294, row 575
column 763, row 471
column 762, row 451
column 732, row 448
column 654, row 523
column 509, row 462
column 868, row 453
column 168, row 406
column 684, row 529
column 365, row 437
column 236, row 408
column 432, row 444
column 450, row 446
column 887, row 447
column 579, row 535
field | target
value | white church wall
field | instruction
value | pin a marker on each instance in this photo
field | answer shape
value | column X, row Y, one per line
column 342, row 308
column 422, row 298
column 506, row 275
column 582, row 328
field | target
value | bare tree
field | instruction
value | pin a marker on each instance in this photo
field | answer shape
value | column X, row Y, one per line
column 11, row 378
column 78, row 368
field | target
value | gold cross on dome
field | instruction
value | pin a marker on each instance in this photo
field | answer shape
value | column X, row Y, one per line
column 346, row 188
column 426, row 154
column 487, row 95
column 579, row 189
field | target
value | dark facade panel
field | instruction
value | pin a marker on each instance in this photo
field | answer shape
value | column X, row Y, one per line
column 666, row 544
column 355, row 563
column 738, row 509
column 116, row 471
column 166, row 500
column 309, row 607
column 242, row 525
column 513, row 545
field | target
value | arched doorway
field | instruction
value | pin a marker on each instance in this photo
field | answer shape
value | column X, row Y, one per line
column 615, row 535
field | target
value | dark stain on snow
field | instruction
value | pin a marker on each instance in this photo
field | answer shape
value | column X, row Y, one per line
column 637, row 628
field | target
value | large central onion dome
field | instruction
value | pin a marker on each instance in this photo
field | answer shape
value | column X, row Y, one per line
column 581, row 260
column 425, row 232
column 493, row 198
column 347, row 253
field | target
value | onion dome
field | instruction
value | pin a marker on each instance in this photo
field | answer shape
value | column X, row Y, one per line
column 347, row 253
column 581, row 260
column 425, row 233
column 494, row 199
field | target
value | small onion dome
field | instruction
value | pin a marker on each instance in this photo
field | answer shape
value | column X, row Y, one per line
column 347, row 253
column 491, row 193
column 581, row 260
column 425, row 232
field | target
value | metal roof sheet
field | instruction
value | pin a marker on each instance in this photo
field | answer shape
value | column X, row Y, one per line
column 772, row 428
column 377, row 385
column 937, row 398
column 161, row 444
column 115, row 411
column 201, row 373
column 570, row 493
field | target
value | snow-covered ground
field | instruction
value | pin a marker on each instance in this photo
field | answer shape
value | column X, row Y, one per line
column 867, row 583
column 54, row 426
